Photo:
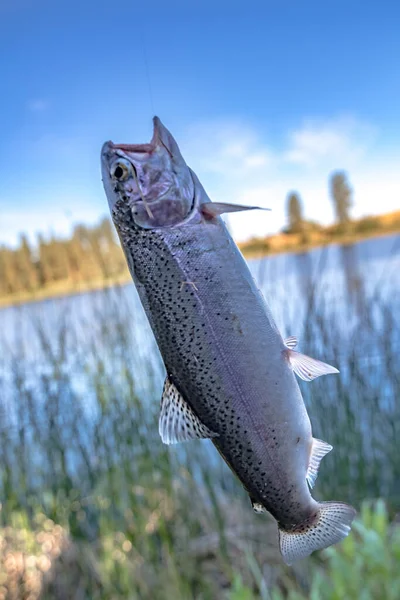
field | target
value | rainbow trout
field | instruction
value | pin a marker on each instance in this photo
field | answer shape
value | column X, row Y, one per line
column 230, row 375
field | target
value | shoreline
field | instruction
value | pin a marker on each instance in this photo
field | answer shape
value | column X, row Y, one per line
column 64, row 289
column 299, row 248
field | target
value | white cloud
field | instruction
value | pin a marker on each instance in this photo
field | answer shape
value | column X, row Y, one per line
column 343, row 141
column 225, row 147
column 236, row 163
column 57, row 219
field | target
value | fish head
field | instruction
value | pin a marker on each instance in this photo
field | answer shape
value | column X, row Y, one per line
column 152, row 179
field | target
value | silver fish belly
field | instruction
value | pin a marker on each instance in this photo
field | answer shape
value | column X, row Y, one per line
column 230, row 375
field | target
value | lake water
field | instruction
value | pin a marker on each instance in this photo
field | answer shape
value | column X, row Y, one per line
column 338, row 281
column 61, row 356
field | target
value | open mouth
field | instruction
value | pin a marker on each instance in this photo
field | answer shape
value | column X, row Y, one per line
column 149, row 146
column 145, row 177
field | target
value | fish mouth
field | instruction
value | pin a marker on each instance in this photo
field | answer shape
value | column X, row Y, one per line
column 159, row 138
column 164, row 157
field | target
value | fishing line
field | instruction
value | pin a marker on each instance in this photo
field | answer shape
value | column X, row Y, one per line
column 146, row 67
column 147, row 70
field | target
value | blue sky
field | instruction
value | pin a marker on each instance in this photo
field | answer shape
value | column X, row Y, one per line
column 262, row 97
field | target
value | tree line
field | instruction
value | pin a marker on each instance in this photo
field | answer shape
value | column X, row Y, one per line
column 91, row 253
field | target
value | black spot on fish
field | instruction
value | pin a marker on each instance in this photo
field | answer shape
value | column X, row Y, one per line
column 190, row 356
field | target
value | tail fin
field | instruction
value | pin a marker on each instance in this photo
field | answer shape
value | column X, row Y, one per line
column 331, row 525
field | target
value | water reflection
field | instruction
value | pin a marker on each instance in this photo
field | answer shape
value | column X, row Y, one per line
column 354, row 282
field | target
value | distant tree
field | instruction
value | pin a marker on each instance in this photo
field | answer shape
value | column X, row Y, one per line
column 89, row 254
column 25, row 264
column 107, row 231
column 341, row 195
column 295, row 213
column 44, row 265
column 8, row 272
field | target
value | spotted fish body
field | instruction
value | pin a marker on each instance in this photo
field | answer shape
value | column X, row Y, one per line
column 230, row 375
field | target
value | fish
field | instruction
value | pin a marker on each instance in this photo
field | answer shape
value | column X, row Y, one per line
column 231, row 377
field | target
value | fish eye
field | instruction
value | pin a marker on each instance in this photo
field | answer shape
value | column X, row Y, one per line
column 121, row 169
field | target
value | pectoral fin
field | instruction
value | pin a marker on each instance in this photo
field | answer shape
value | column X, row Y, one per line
column 214, row 209
column 177, row 422
column 304, row 366
column 319, row 449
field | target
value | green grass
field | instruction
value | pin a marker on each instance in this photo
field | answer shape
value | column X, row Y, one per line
column 98, row 508
column 365, row 566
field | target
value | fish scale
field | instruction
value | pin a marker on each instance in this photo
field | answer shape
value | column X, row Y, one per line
column 230, row 375
column 190, row 323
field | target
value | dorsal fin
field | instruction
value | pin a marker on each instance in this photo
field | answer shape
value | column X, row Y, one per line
column 177, row 422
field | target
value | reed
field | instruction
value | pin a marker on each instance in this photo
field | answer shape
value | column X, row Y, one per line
column 94, row 506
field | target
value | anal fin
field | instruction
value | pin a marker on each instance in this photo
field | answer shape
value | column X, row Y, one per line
column 177, row 422
column 319, row 449
column 304, row 366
